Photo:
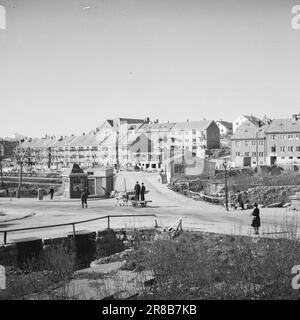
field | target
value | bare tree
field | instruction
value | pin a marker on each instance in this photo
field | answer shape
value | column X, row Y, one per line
column 21, row 156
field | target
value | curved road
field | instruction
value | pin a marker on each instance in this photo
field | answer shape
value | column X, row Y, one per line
column 166, row 205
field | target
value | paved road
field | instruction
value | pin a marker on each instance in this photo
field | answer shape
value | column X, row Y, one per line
column 167, row 205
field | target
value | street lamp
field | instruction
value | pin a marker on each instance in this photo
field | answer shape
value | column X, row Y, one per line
column 225, row 165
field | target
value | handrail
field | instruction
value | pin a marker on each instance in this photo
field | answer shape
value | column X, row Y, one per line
column 74, row 223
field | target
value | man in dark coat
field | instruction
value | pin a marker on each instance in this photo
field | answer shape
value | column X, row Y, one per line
column 137, row 189
column 51, row 193
column 84, row 199
column 143, row 190
column 256, row 219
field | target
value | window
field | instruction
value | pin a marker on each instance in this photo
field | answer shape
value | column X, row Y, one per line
column 179, row 168
column 261, row 142
column 253, row 142
column 194, row 131
column 282, row 157
column 238, row 154
column 282, row 136
column 194, row 141
column 290, row 149
column 290, row 157
column 261, row 154
column 253, row 154
column 187, row 132
column 290, row 136
column 298, row 149
column 187, row 140
column 273, row 137
column 297, row 136
column 246, row 154
column 282, row 149
column 246, row 143
column 298, row 158
column 273, row 149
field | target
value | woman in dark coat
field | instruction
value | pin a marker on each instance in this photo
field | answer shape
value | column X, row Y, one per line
column 256, row 219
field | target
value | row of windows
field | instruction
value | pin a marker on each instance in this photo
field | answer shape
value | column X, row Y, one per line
column 290, row 158
column 284, row 149
column 253, row 142
column 247, row 154
column 194, row 131
column 285, row 136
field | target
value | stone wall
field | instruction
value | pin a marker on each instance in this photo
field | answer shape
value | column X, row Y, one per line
column 86, row 246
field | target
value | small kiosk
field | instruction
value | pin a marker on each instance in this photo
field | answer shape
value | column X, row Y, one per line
column 101, row 181
column 74, row 182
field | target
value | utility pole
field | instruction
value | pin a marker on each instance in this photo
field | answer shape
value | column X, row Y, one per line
column 1, row 172
column 225, row 164
column 257, row 149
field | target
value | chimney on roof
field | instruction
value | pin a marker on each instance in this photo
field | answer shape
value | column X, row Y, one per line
column 83, row 134
column 147, row 120
column 296, row 117
column 187, row 120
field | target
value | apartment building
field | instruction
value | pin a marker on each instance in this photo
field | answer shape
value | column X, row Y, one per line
column 283, row 141
column 248, row 145
column 277, row 143
column 121, row 142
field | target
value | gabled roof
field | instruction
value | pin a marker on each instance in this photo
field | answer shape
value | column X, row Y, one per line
column 248, row 130
column 158, row 126
column 74, row 170
column 65, row 141
column 39, row 143
column 284, row 125
column 84, row 140
column 226, row 124
column 188, row 125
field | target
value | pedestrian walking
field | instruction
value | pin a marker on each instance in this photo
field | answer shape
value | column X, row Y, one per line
column 256, row 219
column 137, row 189
column 143, row 190
column 84, row 199
column 240, row 200
column 51, row 193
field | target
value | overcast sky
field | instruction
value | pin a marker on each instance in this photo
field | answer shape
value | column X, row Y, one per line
column 65, row 68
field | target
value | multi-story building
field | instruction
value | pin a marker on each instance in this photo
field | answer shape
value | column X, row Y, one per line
column 121, row 142
column 283, row 141
column 277, row 143
column 248, row 145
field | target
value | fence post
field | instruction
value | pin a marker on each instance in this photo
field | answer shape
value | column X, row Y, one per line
column 74, row 233
column 5, row 237
column 108, row 222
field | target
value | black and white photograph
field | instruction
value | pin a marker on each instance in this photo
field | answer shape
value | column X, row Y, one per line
column 149, row 151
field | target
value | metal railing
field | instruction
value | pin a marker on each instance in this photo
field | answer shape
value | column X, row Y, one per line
column 5, row 232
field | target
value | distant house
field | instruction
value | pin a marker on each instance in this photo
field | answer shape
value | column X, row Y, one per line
column 225, row 127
